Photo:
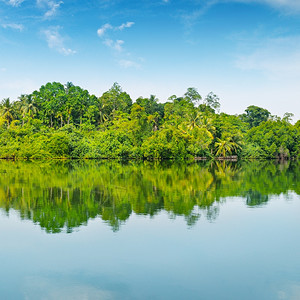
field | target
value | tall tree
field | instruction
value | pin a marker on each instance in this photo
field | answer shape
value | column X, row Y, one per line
column 255, row 115
column 115, row 99
column 193, row 96
column 212, row 101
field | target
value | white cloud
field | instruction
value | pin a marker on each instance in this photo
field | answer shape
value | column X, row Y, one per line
column 15, row 2
column 125, row 25
column 115, row 45
column 2, row 69
column 125, row 63
column 56, row 41
column 101, row 31
column 51, row 6
column 118, row 45
column 104, row 28
column 14, row 26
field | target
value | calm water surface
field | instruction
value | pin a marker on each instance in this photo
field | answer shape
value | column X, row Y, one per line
column 109, row 230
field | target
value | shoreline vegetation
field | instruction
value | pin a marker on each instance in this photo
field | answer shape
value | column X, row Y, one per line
column 67, row 122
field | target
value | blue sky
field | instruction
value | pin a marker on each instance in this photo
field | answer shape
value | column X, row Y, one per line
column 245, row 51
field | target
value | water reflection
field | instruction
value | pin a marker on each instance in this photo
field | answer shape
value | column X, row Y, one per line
column 255, row 198
column 63, row 195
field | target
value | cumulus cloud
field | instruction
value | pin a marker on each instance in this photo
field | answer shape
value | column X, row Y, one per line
column 51, row 6
column 14, row 26
column 56, row 41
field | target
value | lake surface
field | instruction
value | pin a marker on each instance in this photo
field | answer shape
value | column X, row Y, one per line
column 148, row 230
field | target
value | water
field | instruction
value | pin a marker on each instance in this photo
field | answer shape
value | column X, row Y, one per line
column 109, row 230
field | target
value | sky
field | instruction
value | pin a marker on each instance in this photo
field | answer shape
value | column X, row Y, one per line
column 245, row 51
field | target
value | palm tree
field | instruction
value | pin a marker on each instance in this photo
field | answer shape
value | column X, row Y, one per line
column 193, row 119
column 206, row 123
column 226, row 146
column 7, row 111
column 223, row 147
column 102, row 116
column 27, row 106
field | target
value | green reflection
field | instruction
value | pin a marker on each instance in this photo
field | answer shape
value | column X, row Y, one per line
column 63, row 195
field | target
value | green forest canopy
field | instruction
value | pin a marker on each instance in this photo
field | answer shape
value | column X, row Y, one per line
column 66, row 121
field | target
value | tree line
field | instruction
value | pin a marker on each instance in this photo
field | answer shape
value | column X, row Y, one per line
column 66, row 121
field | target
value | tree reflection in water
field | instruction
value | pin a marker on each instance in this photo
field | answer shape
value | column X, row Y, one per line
column 63, row 195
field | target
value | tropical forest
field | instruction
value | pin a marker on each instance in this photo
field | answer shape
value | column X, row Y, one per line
column 66, row 121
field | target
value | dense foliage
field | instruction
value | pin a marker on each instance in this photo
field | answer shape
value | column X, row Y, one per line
column 65, row 121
